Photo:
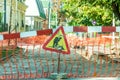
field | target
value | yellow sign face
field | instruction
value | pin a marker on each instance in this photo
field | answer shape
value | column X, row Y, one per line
column 57, row 42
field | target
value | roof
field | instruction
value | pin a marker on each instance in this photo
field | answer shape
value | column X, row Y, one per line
column 45, row 3
column 41, row 9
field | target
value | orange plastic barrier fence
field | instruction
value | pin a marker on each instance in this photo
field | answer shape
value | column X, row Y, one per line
column 95, row 56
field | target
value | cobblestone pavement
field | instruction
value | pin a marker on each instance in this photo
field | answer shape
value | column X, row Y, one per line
column 37, row 61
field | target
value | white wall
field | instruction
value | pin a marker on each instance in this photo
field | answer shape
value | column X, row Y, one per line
column 32, row 9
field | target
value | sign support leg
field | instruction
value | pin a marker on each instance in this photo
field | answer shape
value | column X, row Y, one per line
column 58, row 70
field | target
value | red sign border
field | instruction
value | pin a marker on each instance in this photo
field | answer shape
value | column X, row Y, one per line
column 55, row 50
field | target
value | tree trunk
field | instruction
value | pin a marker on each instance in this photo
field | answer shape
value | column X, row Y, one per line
column 9, row 29
column 116, row 10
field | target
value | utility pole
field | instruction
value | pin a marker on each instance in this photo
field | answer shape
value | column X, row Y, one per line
column 56, row 12
column 49, row 13
column 113, row 34
column 56, row 8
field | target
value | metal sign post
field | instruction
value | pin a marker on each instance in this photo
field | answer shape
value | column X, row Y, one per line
column 58, row 70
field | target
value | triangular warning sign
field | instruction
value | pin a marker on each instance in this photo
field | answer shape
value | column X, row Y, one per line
column 57, row 42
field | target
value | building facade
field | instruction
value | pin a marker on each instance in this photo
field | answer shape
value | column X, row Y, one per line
column 36, row 15
column 12, row 15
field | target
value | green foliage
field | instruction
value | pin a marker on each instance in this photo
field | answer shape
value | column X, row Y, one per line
column 8, row 53
column 84, row 12
column 53, row 16
column 1, row 29
column 1, row 15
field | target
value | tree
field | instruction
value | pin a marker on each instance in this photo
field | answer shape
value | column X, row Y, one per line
column 90, row 12
column 113, row 5
column 1, row 15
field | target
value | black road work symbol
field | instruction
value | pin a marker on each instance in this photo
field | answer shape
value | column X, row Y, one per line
column 56, row 41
